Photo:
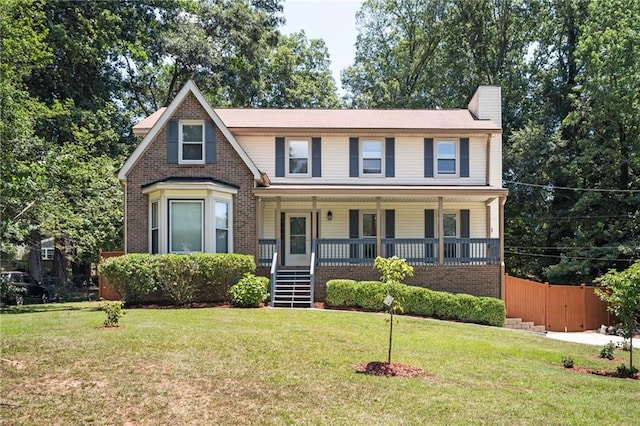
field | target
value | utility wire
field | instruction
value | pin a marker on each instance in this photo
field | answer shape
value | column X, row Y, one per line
column 517, row 253
column 568, row 188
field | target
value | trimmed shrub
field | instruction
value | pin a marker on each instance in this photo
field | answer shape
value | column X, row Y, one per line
column 368, row 295
column 133, row 275
column 341, row 293
column 176, row 278
column 249, row 292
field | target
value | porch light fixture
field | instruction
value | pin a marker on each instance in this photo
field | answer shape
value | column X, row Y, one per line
column 329, row 215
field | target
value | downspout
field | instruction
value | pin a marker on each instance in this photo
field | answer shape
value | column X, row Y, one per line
column 501, row 203
column 124, row 211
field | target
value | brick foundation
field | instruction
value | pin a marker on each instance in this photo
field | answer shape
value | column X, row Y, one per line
column 477, row 280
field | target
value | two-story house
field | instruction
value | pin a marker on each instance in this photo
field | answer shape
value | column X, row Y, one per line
column 317, row 194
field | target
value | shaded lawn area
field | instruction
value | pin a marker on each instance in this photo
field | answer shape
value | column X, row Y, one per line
column 282, row 366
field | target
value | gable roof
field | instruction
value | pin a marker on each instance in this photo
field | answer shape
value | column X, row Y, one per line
column 156, row 121
column 374, row 119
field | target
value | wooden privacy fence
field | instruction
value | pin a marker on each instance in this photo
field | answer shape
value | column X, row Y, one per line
column 105, row 291
column 557, row 307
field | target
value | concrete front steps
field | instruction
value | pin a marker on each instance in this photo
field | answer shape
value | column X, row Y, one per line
column 518, row 324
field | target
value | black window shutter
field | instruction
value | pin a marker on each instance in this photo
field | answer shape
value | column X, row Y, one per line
column 279, row 157
column 464, row 157
column 430, row 249
column 464, row 224
column 390, row 153
column 354, row 226
column 429, row 224
column 172, row 141
column 354, row 157
column 316, row 157
column 354, row 232
column 390, row 223
column 428, row 157
column 465, row 233
column 210, row 142
column 390, row 230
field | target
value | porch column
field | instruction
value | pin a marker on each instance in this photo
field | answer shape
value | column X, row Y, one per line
column 501, row 202
column 314, row 218
column 488, row 222
column 278, row 227
column 440, row 231
column 378, row 227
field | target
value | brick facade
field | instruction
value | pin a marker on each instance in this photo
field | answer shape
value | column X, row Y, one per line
column 477, row 280
column 152, row 166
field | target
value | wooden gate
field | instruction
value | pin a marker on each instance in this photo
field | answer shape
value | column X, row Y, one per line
column 105, row 290
column 557, row 307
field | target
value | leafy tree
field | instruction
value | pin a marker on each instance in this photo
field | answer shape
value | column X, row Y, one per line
column 297, row 75
column 605, row 126
column 393, row 270
column 622, row 291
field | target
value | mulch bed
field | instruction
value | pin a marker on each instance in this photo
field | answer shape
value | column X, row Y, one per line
column 378, row 368
column 606, row 373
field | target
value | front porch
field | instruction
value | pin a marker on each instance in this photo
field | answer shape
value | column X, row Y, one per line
column 451, row 236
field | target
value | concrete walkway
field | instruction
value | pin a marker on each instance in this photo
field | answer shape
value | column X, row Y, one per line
column 589, row 338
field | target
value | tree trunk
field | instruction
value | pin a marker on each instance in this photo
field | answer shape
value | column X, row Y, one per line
column 35, row 254
column 60, row 262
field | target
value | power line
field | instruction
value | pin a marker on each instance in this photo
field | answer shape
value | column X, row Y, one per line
column 566, row 257
column 564, row 247
column 568, row 188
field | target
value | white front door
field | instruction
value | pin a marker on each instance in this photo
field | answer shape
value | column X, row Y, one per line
column 298, row 239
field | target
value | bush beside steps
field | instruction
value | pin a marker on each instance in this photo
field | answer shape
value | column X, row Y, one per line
column 369, row 295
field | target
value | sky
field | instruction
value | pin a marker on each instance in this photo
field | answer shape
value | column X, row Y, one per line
column 334, row 21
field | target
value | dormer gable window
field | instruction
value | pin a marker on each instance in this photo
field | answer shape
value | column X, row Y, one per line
column 191, row 142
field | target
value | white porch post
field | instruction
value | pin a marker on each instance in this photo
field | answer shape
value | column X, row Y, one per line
column 278, row 227
column 440, row 231
column 314, row 218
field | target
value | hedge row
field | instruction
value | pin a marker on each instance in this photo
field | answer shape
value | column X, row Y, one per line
column 369, row 295
column 175, row 278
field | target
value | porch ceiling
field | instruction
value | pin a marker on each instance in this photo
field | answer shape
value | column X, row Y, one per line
column 386, row 193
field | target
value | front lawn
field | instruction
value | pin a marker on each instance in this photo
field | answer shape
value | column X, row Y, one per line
column 282, row 366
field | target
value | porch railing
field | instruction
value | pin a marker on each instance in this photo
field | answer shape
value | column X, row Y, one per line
column 266, row 249
column 417, row 251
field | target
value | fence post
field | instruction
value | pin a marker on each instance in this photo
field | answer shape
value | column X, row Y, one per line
column 584, row 307
column 544, row 307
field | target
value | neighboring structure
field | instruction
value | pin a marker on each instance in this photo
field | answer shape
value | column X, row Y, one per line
column 317, row 194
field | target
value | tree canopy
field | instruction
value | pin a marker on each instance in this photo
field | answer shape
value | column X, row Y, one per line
column 77, row 75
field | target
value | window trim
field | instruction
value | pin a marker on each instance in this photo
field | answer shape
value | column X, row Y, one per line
column 456, row 214
column 152, row 228
column 203, row 224
column 288, row 172
column 362, row 158
column 181, row 142
column 436, row 169
column 214, row 204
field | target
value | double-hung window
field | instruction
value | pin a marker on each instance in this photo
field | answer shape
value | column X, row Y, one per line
column 186, row 226
column 446, row 157
column 298, row 156
column 222, row 226
column 191, row 146
column 371, row 164
column 154, row 228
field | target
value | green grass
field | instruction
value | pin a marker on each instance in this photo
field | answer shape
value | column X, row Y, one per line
column 277, row 366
